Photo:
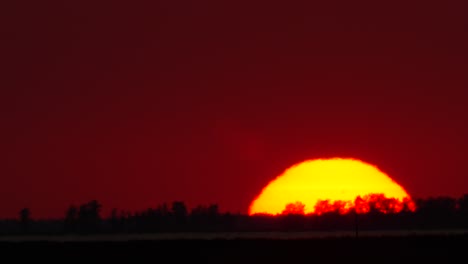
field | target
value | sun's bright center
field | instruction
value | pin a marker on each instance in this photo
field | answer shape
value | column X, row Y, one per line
column 335, row 179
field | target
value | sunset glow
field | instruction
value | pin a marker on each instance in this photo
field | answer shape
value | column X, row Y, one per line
column 322, row 185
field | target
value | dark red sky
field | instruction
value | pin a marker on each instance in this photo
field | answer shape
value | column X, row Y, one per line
column 207, row 101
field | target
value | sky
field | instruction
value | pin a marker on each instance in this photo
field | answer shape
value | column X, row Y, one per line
column 136, row 104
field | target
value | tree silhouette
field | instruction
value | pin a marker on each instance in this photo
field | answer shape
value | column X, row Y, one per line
column 115, row 221
column 463, row 204
column 213, row 211
column 297, row 208
column 337, row 207
column 89, row 216
column 71, row 219
column 25, row 219
column 375, row 212
column 205, row 218
column 179, row 211
column 441, row 205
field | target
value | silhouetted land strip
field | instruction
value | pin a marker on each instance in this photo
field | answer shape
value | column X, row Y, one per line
column 440, row 213
column 439, row 248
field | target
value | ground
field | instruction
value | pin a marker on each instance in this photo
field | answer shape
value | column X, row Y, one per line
column 378, row 249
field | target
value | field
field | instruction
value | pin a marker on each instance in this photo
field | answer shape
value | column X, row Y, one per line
column 284, row 248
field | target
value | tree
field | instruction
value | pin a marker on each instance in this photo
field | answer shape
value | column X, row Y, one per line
column 179, row 210
column 462, row 204
column 114, row 220
column 89, row 216
column 442, row 205
column 213, row 210
column 25, row 219
column 71, row 219
column 296, row 208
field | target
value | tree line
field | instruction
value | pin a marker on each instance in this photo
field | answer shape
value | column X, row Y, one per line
column 377, row 212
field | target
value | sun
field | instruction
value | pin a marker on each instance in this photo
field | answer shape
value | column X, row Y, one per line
column 336, row 183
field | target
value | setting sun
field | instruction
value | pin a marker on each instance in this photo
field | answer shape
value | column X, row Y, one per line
column 330, row 183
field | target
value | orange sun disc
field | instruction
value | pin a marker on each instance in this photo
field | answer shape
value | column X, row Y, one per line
column 342, row 181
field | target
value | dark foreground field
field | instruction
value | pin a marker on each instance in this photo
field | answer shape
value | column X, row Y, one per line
column 398, row 249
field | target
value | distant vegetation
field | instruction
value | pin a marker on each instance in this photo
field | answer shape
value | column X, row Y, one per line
column 361, row 205
column 379, row 213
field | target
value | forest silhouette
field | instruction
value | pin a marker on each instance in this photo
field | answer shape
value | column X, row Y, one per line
column 373, row 212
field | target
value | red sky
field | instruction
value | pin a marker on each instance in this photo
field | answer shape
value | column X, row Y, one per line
column 207, row 101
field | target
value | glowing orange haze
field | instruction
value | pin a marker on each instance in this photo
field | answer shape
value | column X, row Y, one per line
column 337, row 184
